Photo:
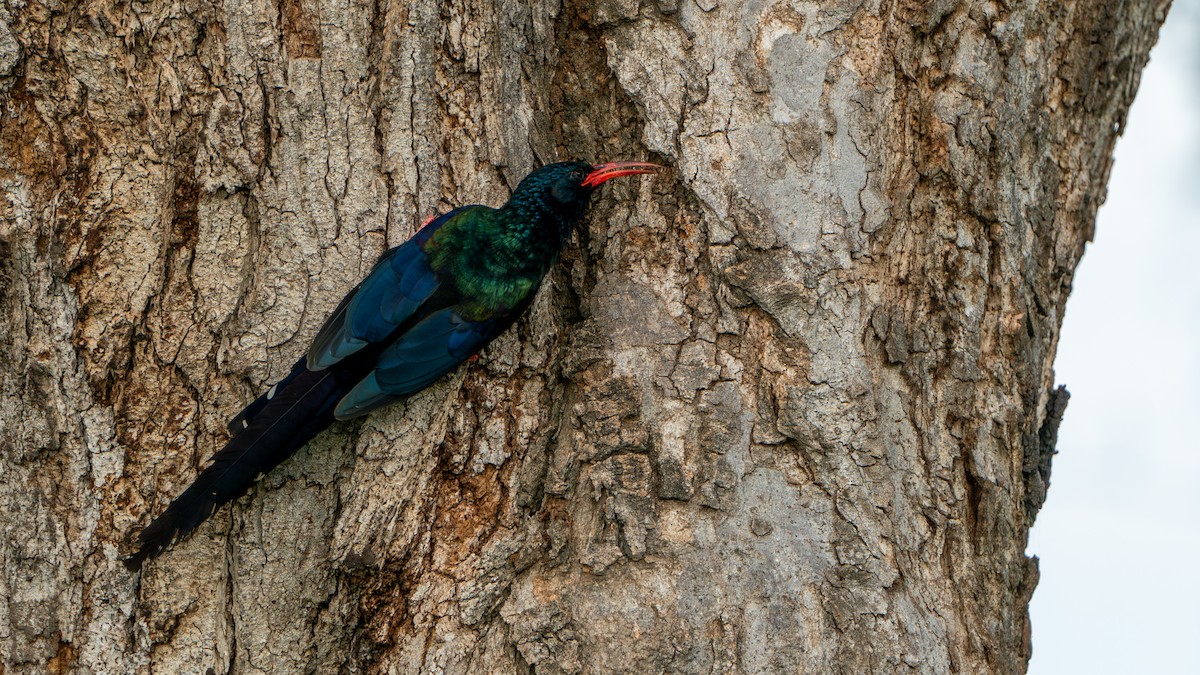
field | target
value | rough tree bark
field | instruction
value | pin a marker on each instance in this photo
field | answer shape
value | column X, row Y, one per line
column 786, row 409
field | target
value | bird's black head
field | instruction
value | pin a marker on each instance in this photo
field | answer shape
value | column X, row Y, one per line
column 563, row 190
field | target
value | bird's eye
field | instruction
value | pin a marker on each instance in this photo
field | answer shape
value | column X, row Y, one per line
column 563, row 192
column 578, row 175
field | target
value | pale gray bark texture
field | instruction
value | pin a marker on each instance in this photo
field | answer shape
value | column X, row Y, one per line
column 785, row 409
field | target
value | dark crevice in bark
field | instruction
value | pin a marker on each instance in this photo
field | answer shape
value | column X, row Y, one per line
column 1040, row 451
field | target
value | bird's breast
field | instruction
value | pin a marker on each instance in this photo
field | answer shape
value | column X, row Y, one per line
column 495, row 266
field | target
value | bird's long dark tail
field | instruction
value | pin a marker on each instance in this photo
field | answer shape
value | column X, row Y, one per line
column 271, row 429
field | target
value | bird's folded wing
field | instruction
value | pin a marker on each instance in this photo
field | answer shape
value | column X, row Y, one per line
column 400, row 281
column 433, row 347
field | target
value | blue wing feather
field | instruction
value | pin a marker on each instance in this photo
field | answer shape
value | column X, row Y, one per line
column 390, row 294
column 434, row 347
column 400, row 281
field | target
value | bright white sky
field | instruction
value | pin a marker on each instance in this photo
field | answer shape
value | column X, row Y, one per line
column 1119, row 537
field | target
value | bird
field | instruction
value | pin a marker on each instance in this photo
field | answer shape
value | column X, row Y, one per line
column 426, row 306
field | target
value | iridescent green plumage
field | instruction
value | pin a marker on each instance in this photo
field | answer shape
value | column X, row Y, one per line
column 493, row 261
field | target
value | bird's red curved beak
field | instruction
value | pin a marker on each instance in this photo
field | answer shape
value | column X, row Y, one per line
column 603, row 172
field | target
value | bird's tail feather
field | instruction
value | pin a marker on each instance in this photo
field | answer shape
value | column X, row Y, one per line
column 278, row 427
column 241, row 421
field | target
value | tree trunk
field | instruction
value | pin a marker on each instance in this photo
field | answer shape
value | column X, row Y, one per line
column 786, row 409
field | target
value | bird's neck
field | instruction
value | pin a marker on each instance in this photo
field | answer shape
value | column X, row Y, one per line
column 538, row 219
